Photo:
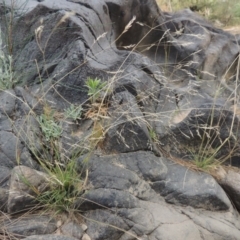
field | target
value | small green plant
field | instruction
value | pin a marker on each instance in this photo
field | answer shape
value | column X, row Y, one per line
column 153, row 134
column 65, row 186
column 95, row 86
column 73, row 112
column 7, row 80
column 205, row 162
column 49, row 127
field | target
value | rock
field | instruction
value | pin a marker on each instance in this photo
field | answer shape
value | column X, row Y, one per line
column 75, row 48
column 194, row 73
column 7, row 103
column 84, row 227
column 4, row 177
column 26, row 158
column 210, row 44
column 75, row 137
column 181, row 187
column 184, row 230
column 32, row 225
column 211, row 223
column 28, row 131
column 86, row 237
column 23, row 186
column 72, row 229
column 49, row 237
column 203, row 128
column 10, row 146
column 106, row 225
column 13, row 151
column 229, row 180
column 109, row 198
column 177, row 184
column 127, row 132
column 132, row 190
column 26, row 102
column 166, row 73
column 186, row 32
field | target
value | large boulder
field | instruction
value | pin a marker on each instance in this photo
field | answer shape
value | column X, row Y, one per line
column 131, row 192
column 27, row 226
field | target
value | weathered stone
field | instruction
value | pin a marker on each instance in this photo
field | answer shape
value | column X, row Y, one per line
column 213, row 223
column 229, row 180
column 22, row 184
column 109, row 198
column 7, row 103
column 115, row 185
column 10, row 147
column 27, row 129
column 59, row 44
column 26, row 159
column 49, row 237
column 194, row 72
column 86, row 237
column 4, row 176
column 96, row 230
column 26, row 103
column 189, row 32
column 181, row 186
column 84, row 227
column 32, row 225
column 128, row 131
column 184, row 230
column 110, row 174
column 72, row 229
column 75, row 137
column 208, row 127
column 177, row 184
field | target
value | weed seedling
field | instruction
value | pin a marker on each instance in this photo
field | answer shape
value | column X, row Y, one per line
column 49, row 127
column 73, row 112
column 95, row 86
column 7, row 78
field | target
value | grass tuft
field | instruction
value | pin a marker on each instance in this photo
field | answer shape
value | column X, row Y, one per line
column 66, row 185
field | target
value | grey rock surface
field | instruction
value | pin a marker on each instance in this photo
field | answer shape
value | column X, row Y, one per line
column 23, row 184
column 127, row 131
column 130, row 195
column 197, row 189
column 177, row 184
column 33, row 225
column 72, row 229
column 229, row 180
column 132, row 190
column 8, row 101
column 50, row 237
column 86, row 237
column 4, row 177
column 13, row 152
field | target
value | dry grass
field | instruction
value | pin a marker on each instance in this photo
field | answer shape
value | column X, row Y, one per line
column 222, row 13
column 97, row 111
